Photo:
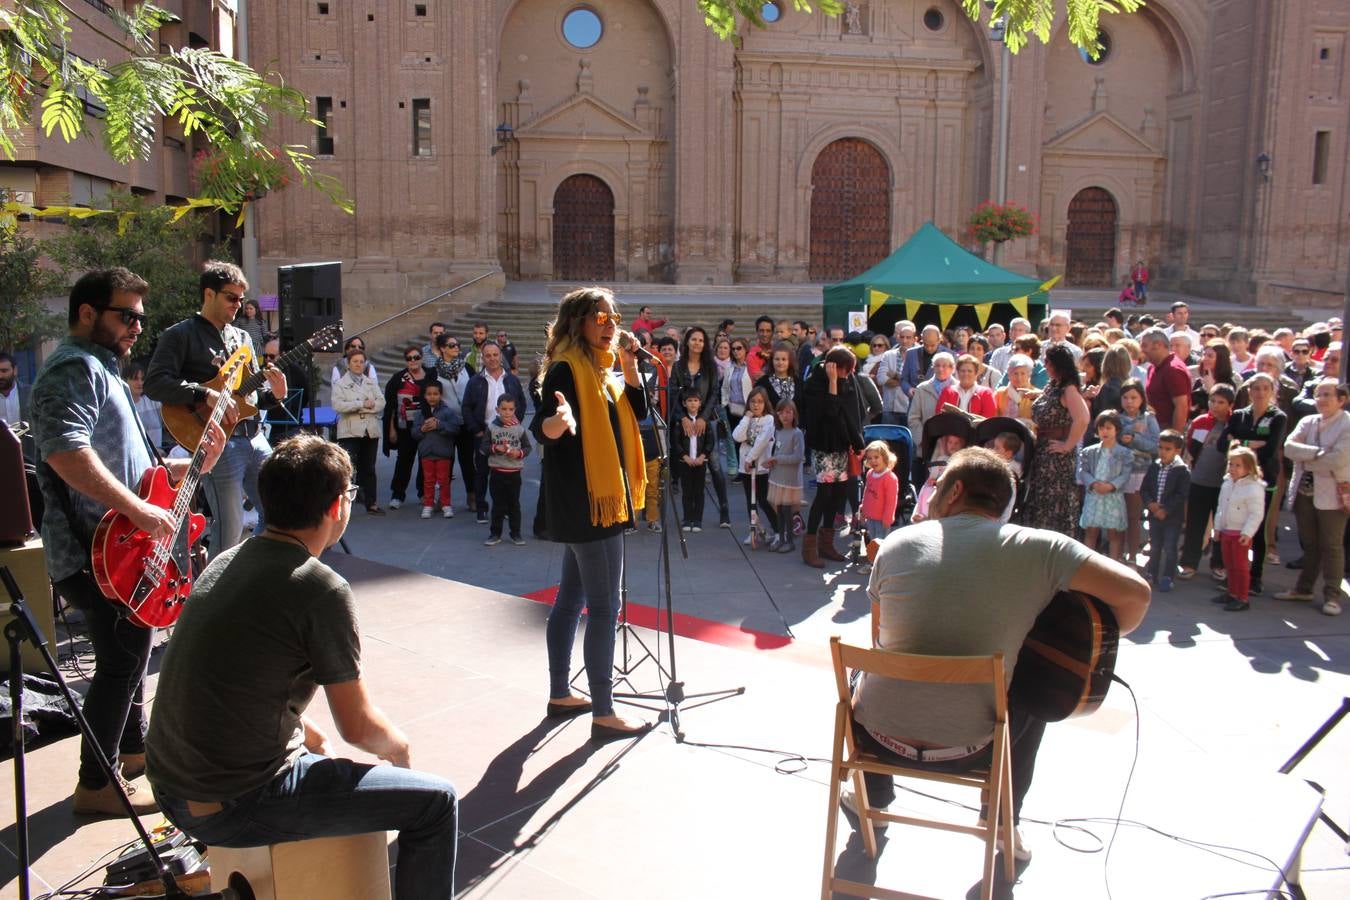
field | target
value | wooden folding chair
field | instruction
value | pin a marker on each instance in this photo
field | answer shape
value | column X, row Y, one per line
column 995, row 783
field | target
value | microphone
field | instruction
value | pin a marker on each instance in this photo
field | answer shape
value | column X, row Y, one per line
column 630, row 343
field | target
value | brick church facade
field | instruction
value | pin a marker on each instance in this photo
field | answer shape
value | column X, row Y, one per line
column 620, row 140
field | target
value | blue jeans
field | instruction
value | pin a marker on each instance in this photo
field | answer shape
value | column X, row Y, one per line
column 113, row 703
column 1163, row 537
column 590, row 579
column 234, row 478
column 876, row 530
column 324, row 797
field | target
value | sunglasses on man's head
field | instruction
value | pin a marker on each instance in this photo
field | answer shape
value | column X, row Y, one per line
column 128, row 315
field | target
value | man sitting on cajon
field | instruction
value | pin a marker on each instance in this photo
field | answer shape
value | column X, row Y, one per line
column 232, row 758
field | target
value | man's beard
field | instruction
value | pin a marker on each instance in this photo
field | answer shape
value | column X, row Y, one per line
column 107, row 339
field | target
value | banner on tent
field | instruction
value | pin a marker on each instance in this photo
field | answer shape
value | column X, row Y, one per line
column 877, row 299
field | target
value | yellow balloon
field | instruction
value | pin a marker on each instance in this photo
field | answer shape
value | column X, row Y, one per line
column 862, row 349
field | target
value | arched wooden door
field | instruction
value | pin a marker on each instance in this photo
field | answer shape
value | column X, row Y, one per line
column 1091, row 239
column 583, row 230
column 850, row 210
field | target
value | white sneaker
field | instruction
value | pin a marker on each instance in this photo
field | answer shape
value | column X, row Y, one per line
column 1021, row 852
column 448, row 512
column 849, row 801
column 1331, row 608
column 426, row 512
column 395, row 503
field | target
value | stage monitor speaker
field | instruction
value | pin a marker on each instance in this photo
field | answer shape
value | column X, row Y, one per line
column 309, row 296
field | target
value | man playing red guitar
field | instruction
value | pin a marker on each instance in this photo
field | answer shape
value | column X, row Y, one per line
column 94, row 453
column 932, row 595
column 191, row 353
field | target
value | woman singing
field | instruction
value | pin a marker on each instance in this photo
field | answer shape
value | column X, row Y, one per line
column 594, row 476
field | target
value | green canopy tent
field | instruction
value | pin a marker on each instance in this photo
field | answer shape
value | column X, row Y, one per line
column 931, row 279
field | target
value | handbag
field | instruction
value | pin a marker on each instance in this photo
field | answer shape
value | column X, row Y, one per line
column 855, row 463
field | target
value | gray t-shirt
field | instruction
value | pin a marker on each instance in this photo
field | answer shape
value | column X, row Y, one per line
column 958, row 586
column 265, row 625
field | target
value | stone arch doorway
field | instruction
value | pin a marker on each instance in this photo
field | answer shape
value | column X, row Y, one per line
column 583, row 230
column 1091, row 239
column 850, row 210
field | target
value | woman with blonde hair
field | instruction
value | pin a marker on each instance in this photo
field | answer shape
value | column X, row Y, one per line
column 594, row 480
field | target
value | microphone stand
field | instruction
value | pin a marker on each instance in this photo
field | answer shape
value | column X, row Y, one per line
column 24, row 628
column 673, row 693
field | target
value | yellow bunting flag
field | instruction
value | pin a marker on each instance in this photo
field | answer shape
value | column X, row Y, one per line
column 878, row 300
column 1019, row 304
column 982, row 311
column 123, row 220
column 945, row 313
column 1051, row 283
column 912, row 308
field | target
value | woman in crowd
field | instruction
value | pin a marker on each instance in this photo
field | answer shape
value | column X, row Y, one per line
column 926, row 400
column 1260, row 426
column 1015, row 398
column 402, row 395
column 1216, row 367
column 833, row 413
column 358, row 401
column 737, row 384
column 1320, row 449
column 781, row 381
column 595, row 477
column 722, row 356
column 250, row 319
column 1061, row 418
column 965, row 394
column 978, row 345
column 340, row 369
column 695, row 371
column 1029, row 345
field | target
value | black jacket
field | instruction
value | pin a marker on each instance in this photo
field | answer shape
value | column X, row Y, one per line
column 833, row 422
column 765, row 383
column 391, row 401
column 1243, row 426
column 1175, row 491
column 567, row 503
column 475, row 411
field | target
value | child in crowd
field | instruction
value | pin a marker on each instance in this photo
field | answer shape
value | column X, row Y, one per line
column 754, row 437
column 1206, row 445
column 785, row 472
column 435, row 426
column 1139, row 277
column 1007, row 444
column 1127, row 295
column 1103, row 470
column 1242, row 505
column 946, row 446
column 881, row 490
column 692, row 451
column 506, row 446
column 1139, row 434
column 1164, row 490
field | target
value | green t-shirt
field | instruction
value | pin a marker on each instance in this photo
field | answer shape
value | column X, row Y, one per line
column 265, row 625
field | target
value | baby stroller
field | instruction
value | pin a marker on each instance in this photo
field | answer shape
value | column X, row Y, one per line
column 980, row 433
column 901, row 442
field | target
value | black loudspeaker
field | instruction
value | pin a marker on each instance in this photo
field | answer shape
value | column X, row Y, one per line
column 309, row 296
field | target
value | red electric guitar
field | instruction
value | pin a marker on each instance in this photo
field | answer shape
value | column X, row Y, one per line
column 152, row 577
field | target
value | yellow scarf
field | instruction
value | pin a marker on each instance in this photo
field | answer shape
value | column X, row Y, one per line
column 604, row 479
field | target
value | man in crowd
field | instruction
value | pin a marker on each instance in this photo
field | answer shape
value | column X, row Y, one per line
column 1181, row 318
column 758, row 357
column 192, row 353
column 15, row 401
column 480, row 405
column 429, row 348
column 297, row 379
column 1058, row 327
column 474, row 358
column 508, row 351
column 930, row 593
column 1169, row 382
column 1301, row 368
column 919, row 360
column 94, row 453
column 894, row 401
column 231, row 753
column 646, row 321
column 999, row 357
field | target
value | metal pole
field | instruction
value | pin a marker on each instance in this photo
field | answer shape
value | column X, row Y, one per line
column 249, row 246
column 1001, row 195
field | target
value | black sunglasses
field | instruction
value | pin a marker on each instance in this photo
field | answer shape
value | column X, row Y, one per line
column 129, row 316
column 414, row 358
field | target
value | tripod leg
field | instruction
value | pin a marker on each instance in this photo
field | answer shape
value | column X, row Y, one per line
column 13, row 634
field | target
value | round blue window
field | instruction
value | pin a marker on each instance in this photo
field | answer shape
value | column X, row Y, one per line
column 1103, row 49
column 582, row 28
column 770, row 12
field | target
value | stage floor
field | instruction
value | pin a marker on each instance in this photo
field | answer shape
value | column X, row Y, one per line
column 545, row 814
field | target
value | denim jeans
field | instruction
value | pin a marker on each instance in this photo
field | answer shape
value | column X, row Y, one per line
column 324, row 797
column 1163, row 535
column 590, row 579
column 480, row 482
column 113, row 704
column 234, row 478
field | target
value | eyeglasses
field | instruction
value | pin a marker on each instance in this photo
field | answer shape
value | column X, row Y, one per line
column 414, row 358
column 452, row 346
column 1302, row 351
column 269, row 356
column 603, row 317
column 231, row 296
column 129, row 316
column 737, row 348
column 350, row 492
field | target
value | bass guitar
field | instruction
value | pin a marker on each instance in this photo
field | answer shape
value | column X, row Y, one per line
column 152, row 577
column 187, row 422
column 1065, row 666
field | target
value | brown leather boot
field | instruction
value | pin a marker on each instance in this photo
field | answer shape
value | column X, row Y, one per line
column 809, row 555
column 825, row 546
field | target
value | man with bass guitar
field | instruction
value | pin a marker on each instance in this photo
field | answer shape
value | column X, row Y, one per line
column 94, row 453
column 933, row 594
column 188, row 356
